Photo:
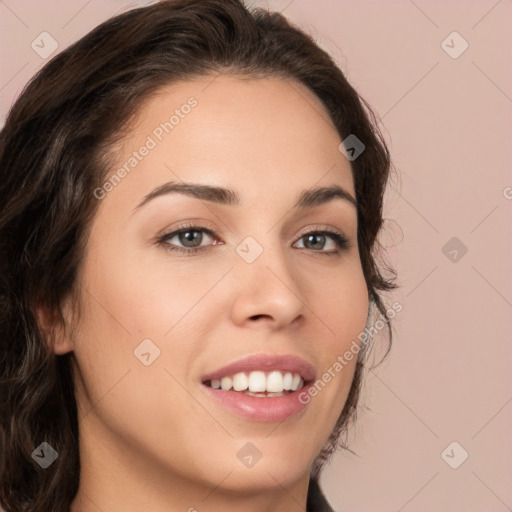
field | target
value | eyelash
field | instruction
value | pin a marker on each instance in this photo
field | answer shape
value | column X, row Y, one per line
column 341, row 240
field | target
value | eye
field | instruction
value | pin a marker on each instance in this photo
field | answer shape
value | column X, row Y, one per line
column 189, row 236
column 317, row 240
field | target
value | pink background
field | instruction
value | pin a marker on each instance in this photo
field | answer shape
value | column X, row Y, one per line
column 448, row 124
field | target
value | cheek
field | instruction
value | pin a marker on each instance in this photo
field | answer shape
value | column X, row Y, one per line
column 147, row 296
column 129, row 301
column 342, row 308
column 124, row 304
column 342, row 305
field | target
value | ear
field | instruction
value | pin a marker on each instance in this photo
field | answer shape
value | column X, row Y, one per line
column 55, row 326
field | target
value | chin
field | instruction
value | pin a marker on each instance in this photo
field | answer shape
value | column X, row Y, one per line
column 264, row 478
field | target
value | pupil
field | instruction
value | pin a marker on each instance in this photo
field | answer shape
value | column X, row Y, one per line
column 185, row 238
column 316, row 237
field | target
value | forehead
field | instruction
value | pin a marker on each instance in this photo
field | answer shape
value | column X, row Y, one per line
column 266, row 134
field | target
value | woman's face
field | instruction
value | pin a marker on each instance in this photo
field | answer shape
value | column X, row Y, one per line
column 156, row 321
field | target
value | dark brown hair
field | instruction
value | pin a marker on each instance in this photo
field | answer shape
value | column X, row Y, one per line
column 53, row 151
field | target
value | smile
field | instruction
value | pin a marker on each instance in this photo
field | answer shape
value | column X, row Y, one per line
column 259, row 383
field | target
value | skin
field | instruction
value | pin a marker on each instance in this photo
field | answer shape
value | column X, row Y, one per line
column 150, row 438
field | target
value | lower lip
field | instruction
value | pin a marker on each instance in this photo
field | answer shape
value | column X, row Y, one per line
column 276, row 408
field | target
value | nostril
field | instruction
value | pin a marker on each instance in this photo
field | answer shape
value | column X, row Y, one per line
column 257, row 317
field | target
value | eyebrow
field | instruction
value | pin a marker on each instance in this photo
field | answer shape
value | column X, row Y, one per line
column 307, row 199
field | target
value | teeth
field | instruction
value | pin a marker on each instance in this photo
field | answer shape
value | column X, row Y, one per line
column 264, row 395
column 240, row 382
column 287, row 381
column 257, row 382
column 275, row 383
column 226, row 383
column 296, row 382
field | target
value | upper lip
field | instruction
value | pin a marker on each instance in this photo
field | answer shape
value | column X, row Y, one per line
column 265, row 362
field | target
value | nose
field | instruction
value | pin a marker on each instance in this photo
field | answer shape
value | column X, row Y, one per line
column 267, row 291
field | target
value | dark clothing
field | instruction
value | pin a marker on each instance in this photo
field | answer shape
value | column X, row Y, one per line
column 316, row 501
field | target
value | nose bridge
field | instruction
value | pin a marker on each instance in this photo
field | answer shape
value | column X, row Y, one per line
column 265, row 252
column 266, row 285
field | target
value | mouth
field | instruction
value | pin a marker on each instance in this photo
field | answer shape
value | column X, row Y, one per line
column 259, row 383
column 262, row 387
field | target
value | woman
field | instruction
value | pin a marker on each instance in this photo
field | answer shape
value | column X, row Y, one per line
column 191, row 198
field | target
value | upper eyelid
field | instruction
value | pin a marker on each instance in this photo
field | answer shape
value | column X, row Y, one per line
column 188, row 225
